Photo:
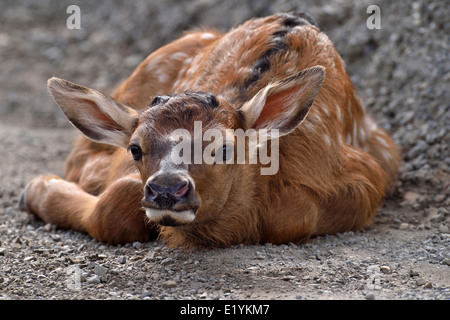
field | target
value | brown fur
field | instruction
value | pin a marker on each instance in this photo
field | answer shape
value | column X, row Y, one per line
column 335, row 167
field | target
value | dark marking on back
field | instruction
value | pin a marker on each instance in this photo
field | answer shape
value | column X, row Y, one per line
column 278, row 45
column 263, row 64
column 294, row 19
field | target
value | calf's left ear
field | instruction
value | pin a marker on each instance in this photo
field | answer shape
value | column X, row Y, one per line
column 285, row 104
column 98, row 116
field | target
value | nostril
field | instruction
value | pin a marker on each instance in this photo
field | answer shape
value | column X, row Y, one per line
column 154, row 189
column 182, row 190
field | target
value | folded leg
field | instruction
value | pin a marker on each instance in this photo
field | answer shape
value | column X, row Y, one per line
column 115, row 216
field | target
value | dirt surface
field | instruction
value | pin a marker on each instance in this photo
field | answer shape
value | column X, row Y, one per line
column 402, row 73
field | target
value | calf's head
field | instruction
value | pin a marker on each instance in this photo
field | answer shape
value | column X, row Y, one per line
column 183, row 144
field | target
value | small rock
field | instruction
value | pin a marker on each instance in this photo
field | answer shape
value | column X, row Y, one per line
column 443, row 228
column 404, row 226
column 122, row 259
column 137, row 245
column 411, row 197
column 150, row 256
column 260, row 255
column 100, row 270
column 413, row 273
column 146, row 294
column 155, row 276
column 166, row 261
column 407, row 116
column 437, row 218
column 94, row 279
column 420, row 282
column 418, row 149
column 385, row 269
column 439, row 197
column 169, row 284
column 370, row 296
column 75, row 260
column 443, row 211
column 446, row 261
column 29, row 258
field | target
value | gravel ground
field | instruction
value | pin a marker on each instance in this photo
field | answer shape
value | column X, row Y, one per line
column 402, row 72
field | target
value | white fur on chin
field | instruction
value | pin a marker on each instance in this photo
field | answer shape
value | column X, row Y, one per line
column 182, row 217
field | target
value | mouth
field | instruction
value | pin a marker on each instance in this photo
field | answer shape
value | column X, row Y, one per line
column 165, row 217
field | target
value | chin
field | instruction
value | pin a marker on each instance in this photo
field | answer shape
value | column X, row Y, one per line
column 171, row 218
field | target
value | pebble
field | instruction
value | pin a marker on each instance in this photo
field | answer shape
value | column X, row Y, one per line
column 443, row 228
column 413, row 273
column 404, row 226
column 137, row 245
column 94, row 279
column 166, row 261
column 100, row 270
column 146, row 294
column 169, row 284
column 411, row 197
column 122, row 260
column 370, row 296
column 420, row 148
column 420, row 282
column 30, row 258
column 437, row 218
column 155, row 276
column 385, row 269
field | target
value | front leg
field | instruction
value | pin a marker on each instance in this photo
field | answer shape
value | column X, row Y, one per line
column 113, row 217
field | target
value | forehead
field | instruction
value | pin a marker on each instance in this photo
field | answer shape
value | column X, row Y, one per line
column 169, row 113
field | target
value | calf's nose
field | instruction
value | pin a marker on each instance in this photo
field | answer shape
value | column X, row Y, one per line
column 166, row 190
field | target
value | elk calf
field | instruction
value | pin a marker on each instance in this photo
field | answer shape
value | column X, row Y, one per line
column 279, row 76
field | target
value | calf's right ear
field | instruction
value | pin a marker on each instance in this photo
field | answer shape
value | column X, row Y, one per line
column 98, row 116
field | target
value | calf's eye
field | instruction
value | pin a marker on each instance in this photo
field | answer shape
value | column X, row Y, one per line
column 227, row 152
column 136, row 151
